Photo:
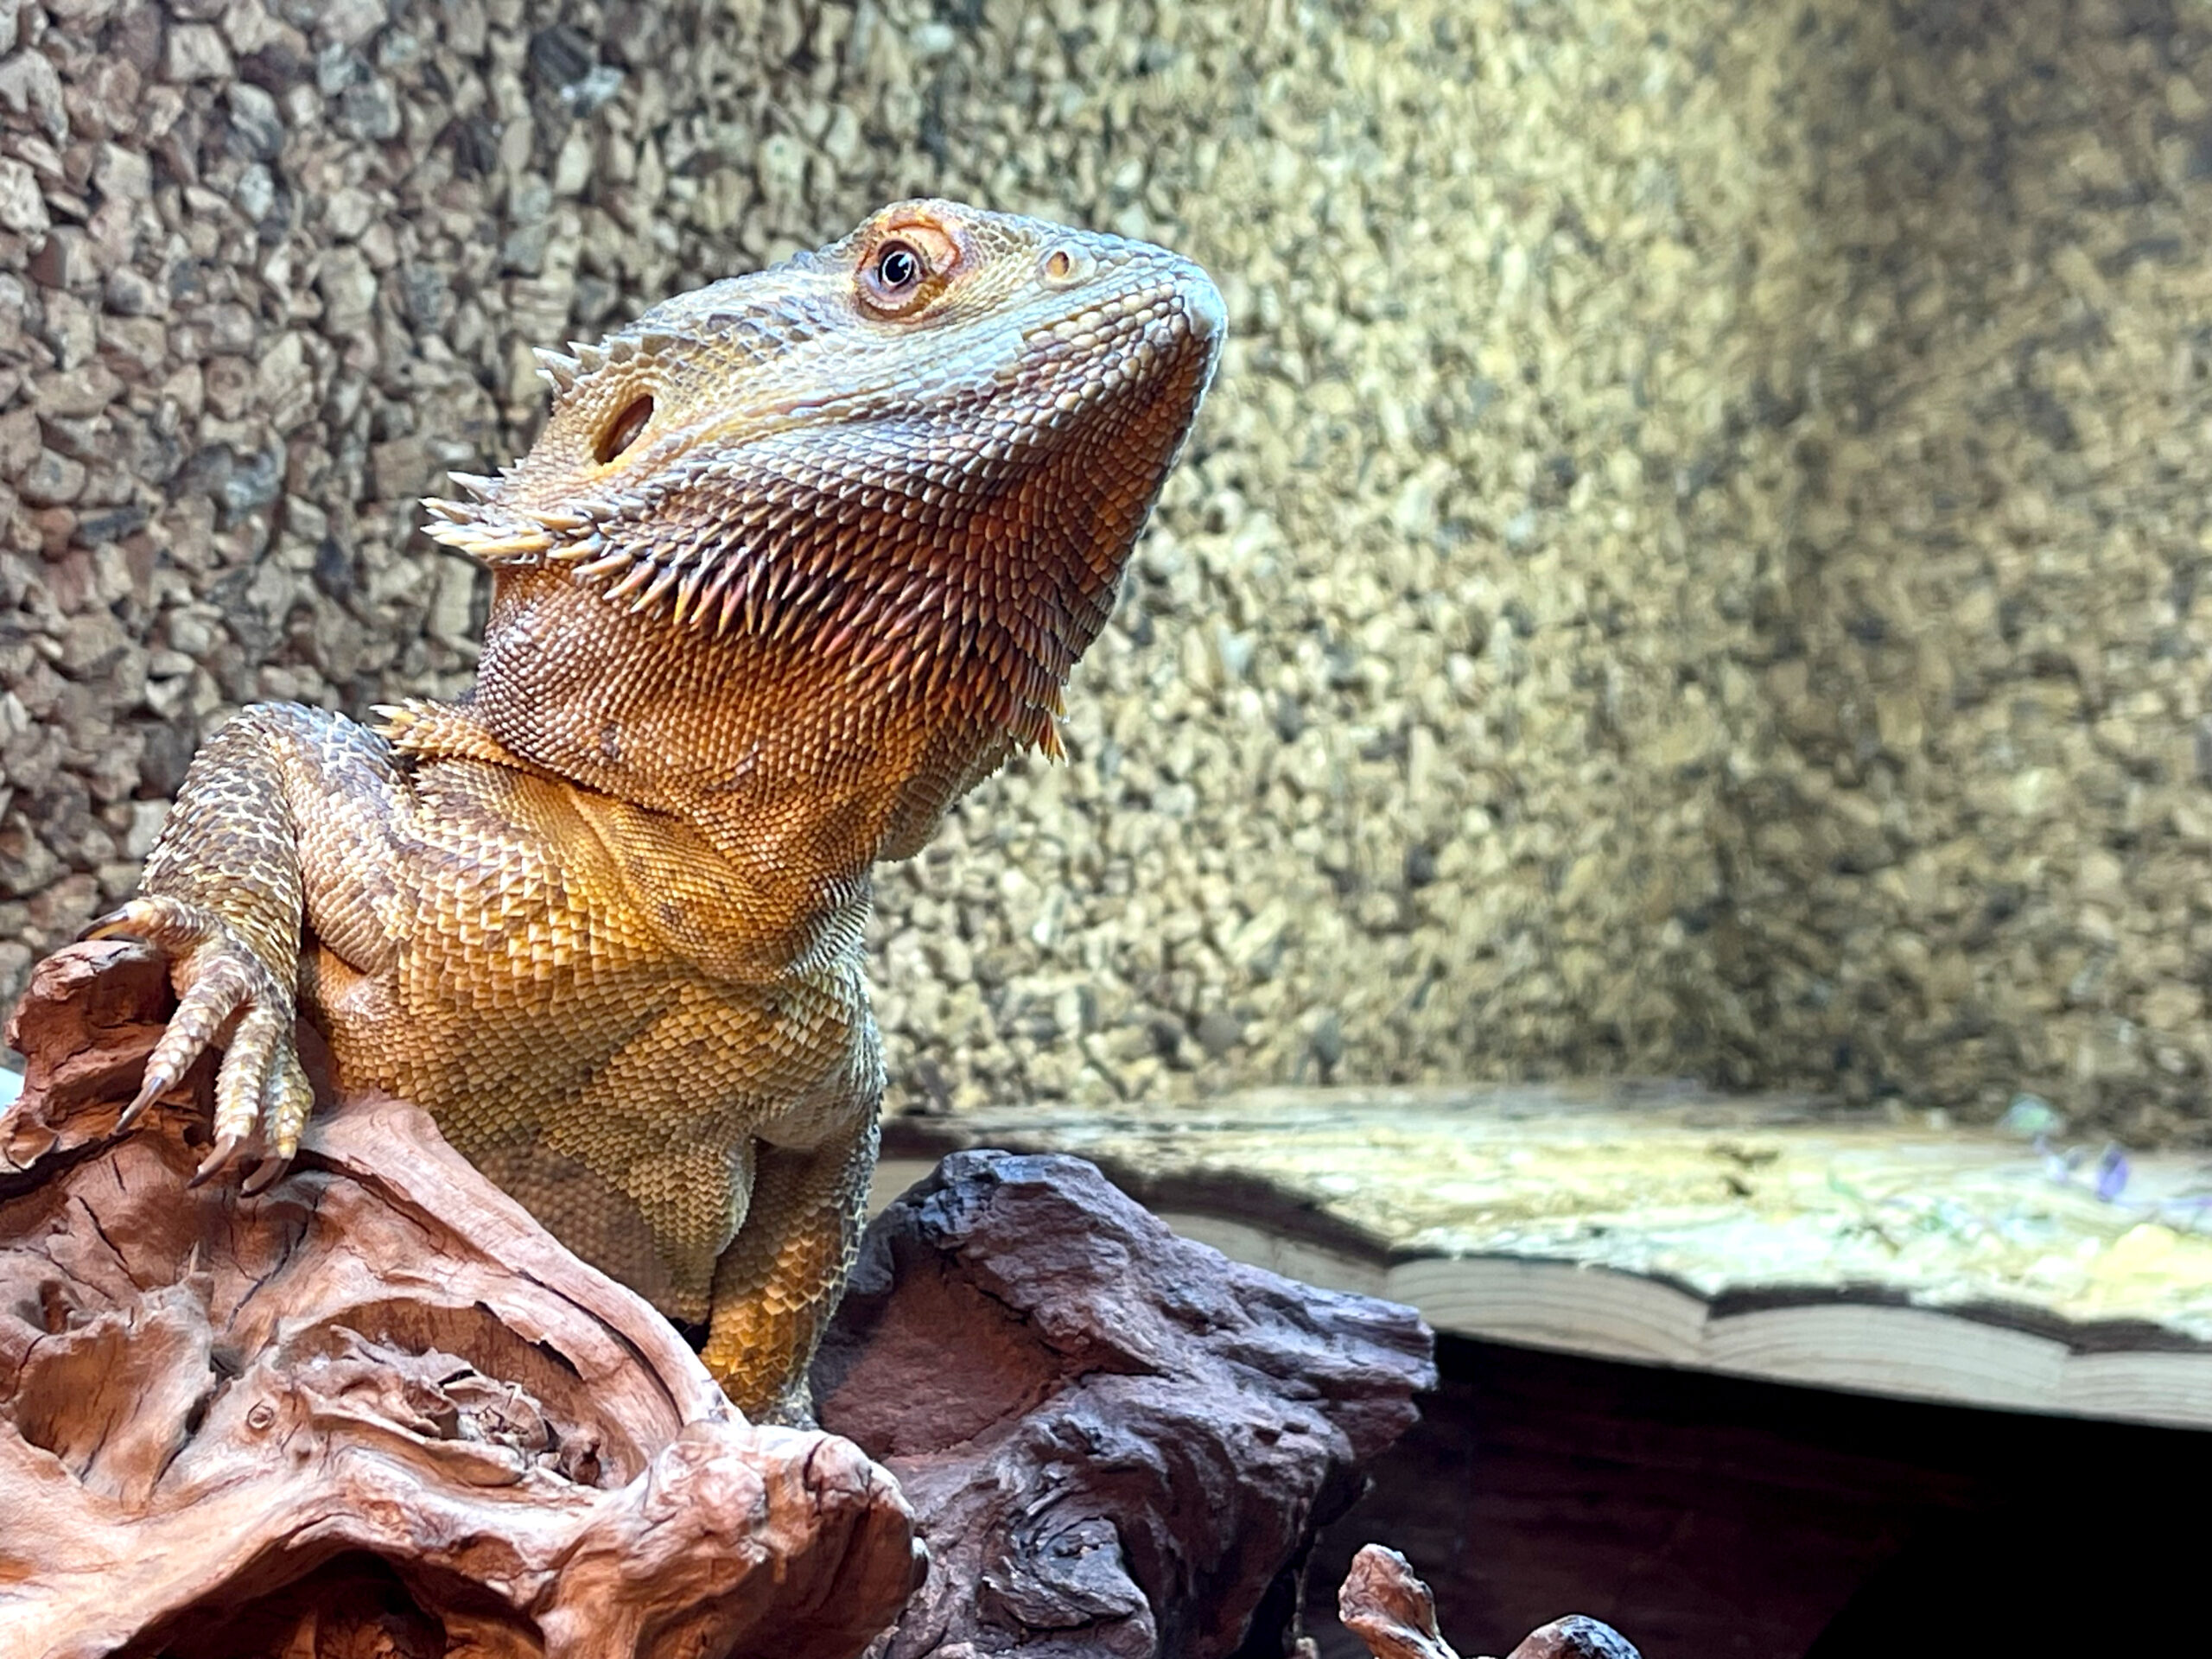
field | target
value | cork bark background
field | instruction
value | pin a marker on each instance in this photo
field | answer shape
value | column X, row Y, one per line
column 1692, row 567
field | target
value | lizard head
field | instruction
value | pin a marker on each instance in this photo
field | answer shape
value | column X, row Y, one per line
column 914, row 462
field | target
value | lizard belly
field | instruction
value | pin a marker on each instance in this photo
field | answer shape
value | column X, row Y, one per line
column 576, row 1001
column 621, row 1107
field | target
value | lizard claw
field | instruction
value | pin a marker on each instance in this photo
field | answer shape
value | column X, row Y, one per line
column 227, row 994
column 265, row 1176
column 156, row 1084
column 211, row 1165
column 105, row 927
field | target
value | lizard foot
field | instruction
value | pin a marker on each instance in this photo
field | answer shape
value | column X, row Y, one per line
column 760, row 1399
column 792, row 1408
column 225, row 993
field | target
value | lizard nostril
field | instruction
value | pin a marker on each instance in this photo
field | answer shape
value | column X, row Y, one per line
column 1063, row 265
column 622, row 431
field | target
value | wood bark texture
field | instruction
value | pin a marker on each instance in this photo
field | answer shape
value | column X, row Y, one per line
column 1118, row 1442
column 1391, row 1611
column 377, row 1410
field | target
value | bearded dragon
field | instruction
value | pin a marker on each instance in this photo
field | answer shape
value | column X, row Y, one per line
column 797, row 560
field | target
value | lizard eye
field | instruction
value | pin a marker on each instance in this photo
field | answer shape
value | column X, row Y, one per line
column 902, row 272
column 622, row 431
column 898, row 268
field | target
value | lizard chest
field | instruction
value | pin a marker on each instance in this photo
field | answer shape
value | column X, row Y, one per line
column 561, row 954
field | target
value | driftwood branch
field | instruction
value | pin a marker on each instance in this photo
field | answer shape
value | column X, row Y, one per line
column 1391, row 1611
column 1387, row 1608
column 380, row 1392
column 1117, row 1442
column 378, row 1409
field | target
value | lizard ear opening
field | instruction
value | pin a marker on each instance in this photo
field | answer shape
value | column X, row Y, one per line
column 622, row 431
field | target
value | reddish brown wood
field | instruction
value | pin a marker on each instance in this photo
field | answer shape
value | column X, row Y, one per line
column 1391, row 1611
column 379, row 1410
column 377, row 1406
column 1118, row 1442
column 1387, row 1608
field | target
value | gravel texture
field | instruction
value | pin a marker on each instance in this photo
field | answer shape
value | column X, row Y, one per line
column 1693, row 566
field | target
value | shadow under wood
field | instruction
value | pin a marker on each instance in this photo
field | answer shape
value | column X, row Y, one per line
column 354, row 1603
column 1710, row 1516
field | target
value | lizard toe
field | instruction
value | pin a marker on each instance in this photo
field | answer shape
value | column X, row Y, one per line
column 171, row 925
column 212, row 996
column 291, row 1099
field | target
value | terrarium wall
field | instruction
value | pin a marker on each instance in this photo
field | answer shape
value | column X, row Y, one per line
column 1691, row 566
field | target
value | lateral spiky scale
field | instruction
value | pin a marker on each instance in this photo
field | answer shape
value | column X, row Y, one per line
column 605, row 565
column 559, row 369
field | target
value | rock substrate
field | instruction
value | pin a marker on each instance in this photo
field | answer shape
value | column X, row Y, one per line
column 1695, row 564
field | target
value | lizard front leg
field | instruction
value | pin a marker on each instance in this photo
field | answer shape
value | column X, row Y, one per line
column 779, row 1282
column 285, row 816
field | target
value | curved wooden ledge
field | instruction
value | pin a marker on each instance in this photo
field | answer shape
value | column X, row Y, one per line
column 1764, row 1237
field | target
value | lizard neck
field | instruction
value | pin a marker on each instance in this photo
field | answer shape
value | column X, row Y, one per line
column 793, row 766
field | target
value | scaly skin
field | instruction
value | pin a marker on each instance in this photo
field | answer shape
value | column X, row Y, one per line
column 798, row 560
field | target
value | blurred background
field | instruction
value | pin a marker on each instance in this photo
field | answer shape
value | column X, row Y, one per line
column 1691, row 567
